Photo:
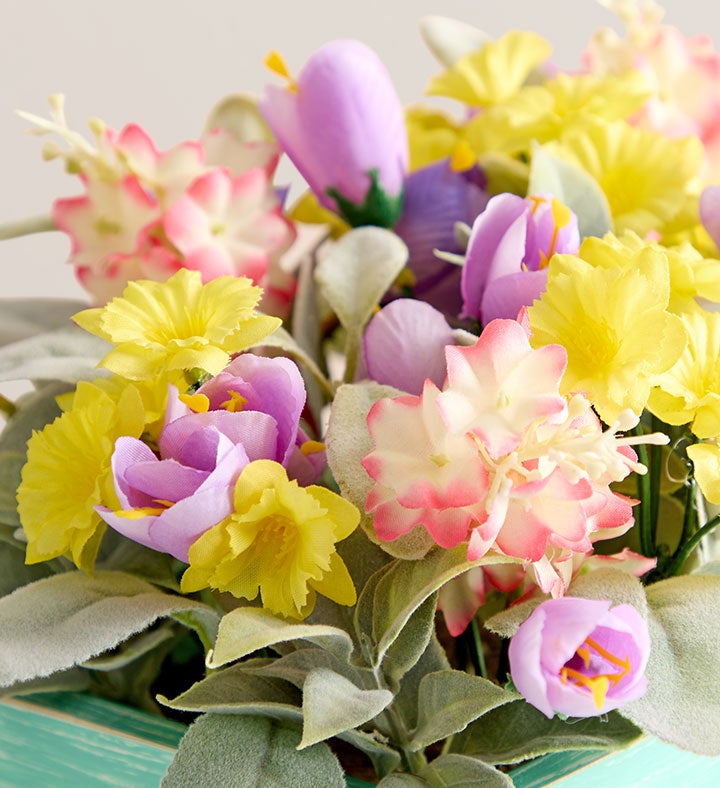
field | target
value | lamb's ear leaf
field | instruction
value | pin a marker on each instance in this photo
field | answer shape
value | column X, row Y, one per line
column 254, row 750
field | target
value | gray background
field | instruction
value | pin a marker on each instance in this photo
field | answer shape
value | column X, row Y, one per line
column 164, row 63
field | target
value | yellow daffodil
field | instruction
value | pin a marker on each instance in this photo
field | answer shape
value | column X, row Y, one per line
column 692, row 276
column 493, row 73
column 180, row 324
column 432, row 135
column 614, row 323
column 542, row 113
column 280, row 541
column 646, row 177
column 67, row 474
column 689, row 392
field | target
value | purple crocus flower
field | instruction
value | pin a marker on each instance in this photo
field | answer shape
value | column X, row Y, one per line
column 342, row 124
column 248, row 412
column 580, row 657
column 508, row 252
column 404, row 344
column 436, row 198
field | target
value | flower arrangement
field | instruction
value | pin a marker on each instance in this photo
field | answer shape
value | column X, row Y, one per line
column 424, row 464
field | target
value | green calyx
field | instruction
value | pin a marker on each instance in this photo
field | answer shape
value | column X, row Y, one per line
column 378, row 208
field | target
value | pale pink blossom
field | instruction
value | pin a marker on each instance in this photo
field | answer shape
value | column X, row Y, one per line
column 500, row 461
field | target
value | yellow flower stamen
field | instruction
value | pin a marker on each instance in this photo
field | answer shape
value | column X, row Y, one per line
column 276, row 63
column 600, row 684
column 311, row 447
column 196, row 402
column 236, row 402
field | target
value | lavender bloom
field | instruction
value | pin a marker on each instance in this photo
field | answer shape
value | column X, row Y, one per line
column 248, row 412
column 511, row 243
column 342, row 125
column 580, row 657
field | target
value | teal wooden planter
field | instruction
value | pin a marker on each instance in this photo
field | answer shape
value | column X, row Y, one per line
column 83, row 741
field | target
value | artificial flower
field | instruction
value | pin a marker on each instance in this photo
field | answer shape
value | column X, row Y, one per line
column 498, row 458
column 511, row 243
column 342, row 125
column 645, row 176
column 249, row 411
column 145, row 214
column 278, row 541
column 580, row 657
column 178, row 325
column 613, row 322
column 681, row 74
column 494, row 72
column 67, row 474
column 689, row 392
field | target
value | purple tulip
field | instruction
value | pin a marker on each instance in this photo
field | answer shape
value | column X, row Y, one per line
column 580, row 657
column 343, row 126
column 509, row 249
column 404, row 344
column 248, row 412
column 436, row 198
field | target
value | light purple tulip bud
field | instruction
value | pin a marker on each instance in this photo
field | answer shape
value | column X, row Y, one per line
column 404, row 344
column 510, row 246
column 343, row 126
column 250, row 411
column 580, row 657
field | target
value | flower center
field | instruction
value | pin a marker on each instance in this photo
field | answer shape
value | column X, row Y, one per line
column 589, row 669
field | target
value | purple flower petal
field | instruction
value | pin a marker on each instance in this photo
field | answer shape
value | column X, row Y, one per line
column 505, row 297
column 164, row 480
column 493, row 246
column 179, row 526
column 710, row 212
column 436, row 198
column 405, row 344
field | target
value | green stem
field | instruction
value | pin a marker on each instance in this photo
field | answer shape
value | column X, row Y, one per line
column 6, row 406
column 415, row 761
column 690, row 517
column 656, row 458
column 352, row 351
column 36, row 224
column 645, row 529
column 691, row 544
column 477, row 640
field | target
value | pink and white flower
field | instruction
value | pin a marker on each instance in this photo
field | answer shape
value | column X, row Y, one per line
column 499, row 460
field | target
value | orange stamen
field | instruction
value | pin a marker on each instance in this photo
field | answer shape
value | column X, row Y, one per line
column 236, row 402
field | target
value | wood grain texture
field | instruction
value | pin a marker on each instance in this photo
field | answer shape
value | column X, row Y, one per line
column 72, row 739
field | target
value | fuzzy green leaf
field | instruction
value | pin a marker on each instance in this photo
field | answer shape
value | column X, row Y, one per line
column 238, row 113
column 449, row 700
column 249, row 752
column 573, row 186
column 333, row 705
column 517, row 731
column 411, row 642
column 61, row 621
column 407, row 584
column 23, row 318
column 347, row 443
column 247, row 629
column 68, row 354
column 682, row 702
